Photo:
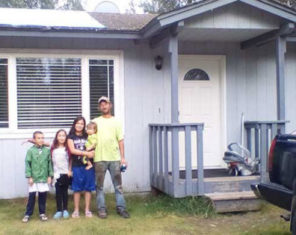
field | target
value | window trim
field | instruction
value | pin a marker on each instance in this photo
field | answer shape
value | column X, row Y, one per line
column 108, row 79
column 12, row 132
column 6, row 57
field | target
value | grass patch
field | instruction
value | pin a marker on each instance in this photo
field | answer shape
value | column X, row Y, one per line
column 163, row 204
column 149, row 215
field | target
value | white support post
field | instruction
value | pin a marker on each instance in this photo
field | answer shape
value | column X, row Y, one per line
column 173, row 51
column 85, row 95
column 12, row 94
column 280, row 75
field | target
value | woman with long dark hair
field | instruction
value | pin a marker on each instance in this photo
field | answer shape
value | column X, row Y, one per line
column 83, row 180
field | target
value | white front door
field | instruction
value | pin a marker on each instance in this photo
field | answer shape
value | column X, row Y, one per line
column 201, row 100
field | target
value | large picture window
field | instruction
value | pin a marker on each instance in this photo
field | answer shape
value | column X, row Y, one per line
column 3, row 93
column 48, row 92
column 101, row 80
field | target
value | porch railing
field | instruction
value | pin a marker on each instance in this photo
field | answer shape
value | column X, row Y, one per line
column 170, row 144
column 164, row 141
column 259, row 136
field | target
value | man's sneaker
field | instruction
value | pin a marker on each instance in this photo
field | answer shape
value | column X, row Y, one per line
column 123, row 213
column 26, row 219
column 102, row 213
column 66, row 214
column 43, row 217
column 58, row 215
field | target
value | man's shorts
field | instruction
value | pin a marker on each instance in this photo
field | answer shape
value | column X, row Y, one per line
column 83, row 180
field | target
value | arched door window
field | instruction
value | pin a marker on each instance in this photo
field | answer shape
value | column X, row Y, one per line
column 196, row 75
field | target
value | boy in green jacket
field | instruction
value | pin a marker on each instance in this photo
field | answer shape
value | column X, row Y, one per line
column 39, row 172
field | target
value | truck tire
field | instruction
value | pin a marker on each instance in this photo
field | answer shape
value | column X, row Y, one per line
column 293, row 224
column 293, row 216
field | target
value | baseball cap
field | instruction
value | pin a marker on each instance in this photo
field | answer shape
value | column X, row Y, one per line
column 103, row 98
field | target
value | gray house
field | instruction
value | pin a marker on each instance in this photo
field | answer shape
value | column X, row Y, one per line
column 179, row 82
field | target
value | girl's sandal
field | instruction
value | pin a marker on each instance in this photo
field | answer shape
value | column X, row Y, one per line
column 88, row 214
column 75, row 214
column 43, row 217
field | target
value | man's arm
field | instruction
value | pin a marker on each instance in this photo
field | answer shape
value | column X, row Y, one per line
column 121, row 150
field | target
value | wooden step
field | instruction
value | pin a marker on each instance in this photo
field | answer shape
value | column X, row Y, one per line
column 235, row 201
column 229, row 184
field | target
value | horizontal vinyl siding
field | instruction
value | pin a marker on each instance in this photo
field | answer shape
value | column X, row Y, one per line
column 251, row 88
column 12, row 169
column 290, row 87
column 234, row 16
column 144, row 104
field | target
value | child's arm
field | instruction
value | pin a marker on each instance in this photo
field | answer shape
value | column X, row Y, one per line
column 70, row 167
column 91, row 147
column 50, row 169
column 29, row 141
column 32, row 141
column 46, row 144
column 77, row 151
column 28, row 167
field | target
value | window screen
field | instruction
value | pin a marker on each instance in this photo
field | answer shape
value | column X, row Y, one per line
column 48, row 92
column 101, row 80
column 3, row 93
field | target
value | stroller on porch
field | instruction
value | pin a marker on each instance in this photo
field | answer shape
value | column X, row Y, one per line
column 239, row 159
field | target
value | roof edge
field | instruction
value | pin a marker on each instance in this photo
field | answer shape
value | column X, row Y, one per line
column 104, row 34
column 176, row 15
column 186, row 12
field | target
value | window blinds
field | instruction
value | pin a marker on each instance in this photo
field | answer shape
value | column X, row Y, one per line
column 101, row 80
column 3, row 94
column 48, row 92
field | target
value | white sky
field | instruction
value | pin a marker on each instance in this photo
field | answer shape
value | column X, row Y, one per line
column 37, row 17
column 123, row 5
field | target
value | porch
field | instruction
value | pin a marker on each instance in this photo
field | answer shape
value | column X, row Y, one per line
column 253, row 65
column 169, row 177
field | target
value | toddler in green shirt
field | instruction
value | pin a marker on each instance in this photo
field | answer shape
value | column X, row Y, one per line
column 91, row 130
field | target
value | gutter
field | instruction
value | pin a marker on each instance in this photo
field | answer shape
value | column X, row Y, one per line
column 67, row 32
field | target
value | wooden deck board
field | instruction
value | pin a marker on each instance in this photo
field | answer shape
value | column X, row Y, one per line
column 235, row 201
column 224, row 179
column 232, row 178
column 231, row 195
column 223, row 183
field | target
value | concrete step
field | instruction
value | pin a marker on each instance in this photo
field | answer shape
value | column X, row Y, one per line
column 235, row 201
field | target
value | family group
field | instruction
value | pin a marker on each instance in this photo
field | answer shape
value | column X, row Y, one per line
column 80, row 158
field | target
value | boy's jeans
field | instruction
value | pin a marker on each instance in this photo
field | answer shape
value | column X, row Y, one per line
column 114, row 168
column 31, row 203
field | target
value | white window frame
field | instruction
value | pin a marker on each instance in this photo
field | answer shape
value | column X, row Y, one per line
column 8, row 93
column 12, row 132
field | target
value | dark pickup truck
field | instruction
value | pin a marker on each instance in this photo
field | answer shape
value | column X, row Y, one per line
column 281, row 191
